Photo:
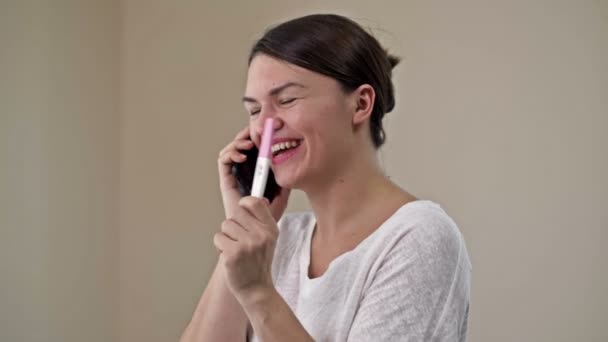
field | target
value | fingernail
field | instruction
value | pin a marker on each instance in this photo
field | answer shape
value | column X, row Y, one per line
column 267, row 201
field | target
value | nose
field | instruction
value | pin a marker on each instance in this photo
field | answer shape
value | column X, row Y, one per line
column 258, row 126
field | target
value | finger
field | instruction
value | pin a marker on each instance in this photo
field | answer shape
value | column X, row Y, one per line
column 257, row 207
column 229, row 158
column 242, row 134
column 243, row 144
column 233, row 229
column 221, row 242
column 237, row 144
column 245, row 218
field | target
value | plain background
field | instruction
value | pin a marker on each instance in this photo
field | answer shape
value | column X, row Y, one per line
column 112, row 114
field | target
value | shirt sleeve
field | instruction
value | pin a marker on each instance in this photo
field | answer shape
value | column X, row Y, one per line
column 421, row 290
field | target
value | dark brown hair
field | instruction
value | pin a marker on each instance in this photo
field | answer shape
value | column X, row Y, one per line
column 340, row 48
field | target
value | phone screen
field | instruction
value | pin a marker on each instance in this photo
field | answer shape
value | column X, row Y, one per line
column 243, row 172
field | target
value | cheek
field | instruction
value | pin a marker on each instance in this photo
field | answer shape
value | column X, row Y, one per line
column 323, row 121
column 333, row 124
column 325, row 131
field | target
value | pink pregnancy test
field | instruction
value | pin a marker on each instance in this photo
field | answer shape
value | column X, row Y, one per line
column 262, row 165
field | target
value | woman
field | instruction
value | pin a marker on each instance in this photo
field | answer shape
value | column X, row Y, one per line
column 371, row 262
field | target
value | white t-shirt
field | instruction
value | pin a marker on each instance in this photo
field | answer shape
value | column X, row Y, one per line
column 407, row 281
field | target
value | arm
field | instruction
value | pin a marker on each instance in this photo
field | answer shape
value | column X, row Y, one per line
column 247, row 244
column 218, row 315
column 218, row 304
column 272, row 319
column 216, row 307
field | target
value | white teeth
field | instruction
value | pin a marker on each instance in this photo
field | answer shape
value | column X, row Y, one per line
column 283, row 146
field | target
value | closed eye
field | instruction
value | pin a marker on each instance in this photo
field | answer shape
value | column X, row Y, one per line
column 282, row 102
column 287, row 101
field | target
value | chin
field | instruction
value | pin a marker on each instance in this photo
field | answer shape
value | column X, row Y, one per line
column 283, row 182
column 288, row 181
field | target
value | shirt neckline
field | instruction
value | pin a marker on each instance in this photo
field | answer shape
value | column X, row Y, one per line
column 305, row 258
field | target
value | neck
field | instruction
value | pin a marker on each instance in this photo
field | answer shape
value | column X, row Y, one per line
column 345, row 198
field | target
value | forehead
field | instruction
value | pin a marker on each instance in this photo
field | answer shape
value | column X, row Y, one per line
column 265, row 72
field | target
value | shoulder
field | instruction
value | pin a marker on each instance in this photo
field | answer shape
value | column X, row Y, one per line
column 423, row 273
column 425, row 229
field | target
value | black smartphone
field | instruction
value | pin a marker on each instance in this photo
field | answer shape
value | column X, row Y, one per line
column 243, row 172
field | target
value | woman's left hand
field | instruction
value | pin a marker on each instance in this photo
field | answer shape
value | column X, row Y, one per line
column 246, row 244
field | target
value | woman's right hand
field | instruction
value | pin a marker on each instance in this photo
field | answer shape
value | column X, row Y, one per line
column 228, row 184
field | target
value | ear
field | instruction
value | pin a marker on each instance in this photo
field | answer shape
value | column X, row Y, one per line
column 364, row 98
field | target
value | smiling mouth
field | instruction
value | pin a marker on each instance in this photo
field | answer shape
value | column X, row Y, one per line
column 286, row 154
column 281, row 148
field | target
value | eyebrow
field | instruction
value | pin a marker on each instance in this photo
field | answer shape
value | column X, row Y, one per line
column 276, row 90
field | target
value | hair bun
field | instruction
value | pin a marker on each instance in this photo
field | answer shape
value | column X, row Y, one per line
column 393, row 60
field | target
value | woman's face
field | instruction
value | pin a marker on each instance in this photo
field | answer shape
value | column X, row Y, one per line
column 308, row 108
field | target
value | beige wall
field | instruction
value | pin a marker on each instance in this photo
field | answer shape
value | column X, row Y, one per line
column 59, row 155
column 501, row 117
